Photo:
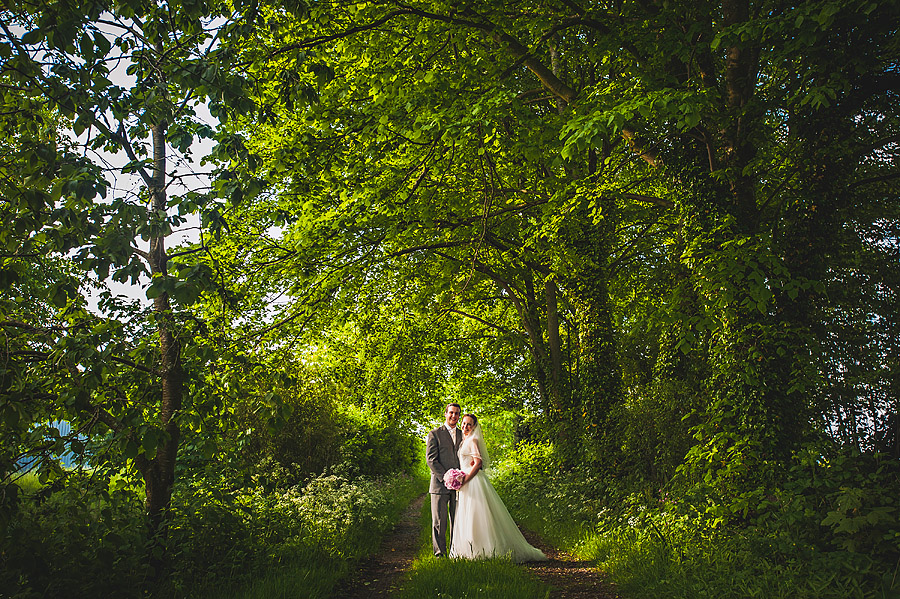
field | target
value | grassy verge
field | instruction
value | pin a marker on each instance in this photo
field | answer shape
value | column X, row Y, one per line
column 461, row 579
column 304, row 572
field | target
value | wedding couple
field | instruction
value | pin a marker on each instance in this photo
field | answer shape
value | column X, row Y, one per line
column 480, row 524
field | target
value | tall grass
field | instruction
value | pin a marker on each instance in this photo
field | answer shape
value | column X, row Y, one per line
column 305, row 574
column 690, row 564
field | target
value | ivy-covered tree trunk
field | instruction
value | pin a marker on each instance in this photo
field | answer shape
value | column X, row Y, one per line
column 598, row 399
column 679, row 390
column 752, row 383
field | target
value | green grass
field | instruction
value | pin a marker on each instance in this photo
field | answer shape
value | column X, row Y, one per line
column 462, row 579
column 28, row 483
column 313, row 574
column 306, row 575
column 683, row 560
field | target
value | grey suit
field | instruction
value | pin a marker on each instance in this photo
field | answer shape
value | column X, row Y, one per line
column 440, row 453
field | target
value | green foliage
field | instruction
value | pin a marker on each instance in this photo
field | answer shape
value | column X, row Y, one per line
column 827, row 529
column 288, row 428
column 532, row 476
column 76, row 539
column 858, row 492
column 223, row 533
column 375, row 446
column 224, row 539
column 669, row 230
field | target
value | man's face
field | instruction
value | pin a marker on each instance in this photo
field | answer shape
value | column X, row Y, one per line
column 452, row 416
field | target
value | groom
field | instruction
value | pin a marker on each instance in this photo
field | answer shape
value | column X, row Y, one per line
column 440, row 453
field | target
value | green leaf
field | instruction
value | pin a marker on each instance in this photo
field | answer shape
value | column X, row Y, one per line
column 59, row 297
column 33, row 37
column 131, row 449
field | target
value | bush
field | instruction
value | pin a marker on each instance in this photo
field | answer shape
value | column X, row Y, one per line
column 310, row 434
column 347, row 518
column 80, row 540
column 235, row 534
column 827, row 530
column 88, row 538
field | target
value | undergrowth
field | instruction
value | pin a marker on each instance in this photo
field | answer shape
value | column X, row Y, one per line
column 226, row 541
column 828, row 530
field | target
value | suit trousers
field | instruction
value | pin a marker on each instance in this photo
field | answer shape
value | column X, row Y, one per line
column 443, row 511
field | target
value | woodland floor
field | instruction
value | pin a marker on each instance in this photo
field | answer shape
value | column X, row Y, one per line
column 382, row 574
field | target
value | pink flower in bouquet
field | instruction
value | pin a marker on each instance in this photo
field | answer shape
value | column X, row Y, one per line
column 453, row 479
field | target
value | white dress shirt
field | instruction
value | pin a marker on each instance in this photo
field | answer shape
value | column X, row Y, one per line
column 453, row 432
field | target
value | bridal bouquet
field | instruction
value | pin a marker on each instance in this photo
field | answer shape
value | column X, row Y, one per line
column 453, row 479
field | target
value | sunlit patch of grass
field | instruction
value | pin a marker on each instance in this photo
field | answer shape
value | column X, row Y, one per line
column 441, row 578
column 460, row 579
column 28, row 482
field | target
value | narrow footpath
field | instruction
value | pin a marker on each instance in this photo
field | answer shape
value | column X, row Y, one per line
column 382, row 574
column 569, row 577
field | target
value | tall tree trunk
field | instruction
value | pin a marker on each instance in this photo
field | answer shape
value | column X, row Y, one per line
column 159, row 472
column 895, row 387
column 753, row 375
column 600, row 397
column 553, row 340
column 532, row 323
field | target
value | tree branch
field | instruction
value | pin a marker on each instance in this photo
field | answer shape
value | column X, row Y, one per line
column 134, row 365
column 433, row 246
column 186, row 252
column 870, row 180
column 496, row 327
column 651, row 199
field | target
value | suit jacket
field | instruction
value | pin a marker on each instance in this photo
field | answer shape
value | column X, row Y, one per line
column 440, row 454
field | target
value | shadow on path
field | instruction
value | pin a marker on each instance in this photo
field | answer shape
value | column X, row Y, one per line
column 570, row 577
column 381, row 574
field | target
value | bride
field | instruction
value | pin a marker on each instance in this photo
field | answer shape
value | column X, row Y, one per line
column 483, row 527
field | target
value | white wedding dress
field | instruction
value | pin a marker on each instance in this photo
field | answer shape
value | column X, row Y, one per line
column 483, row 527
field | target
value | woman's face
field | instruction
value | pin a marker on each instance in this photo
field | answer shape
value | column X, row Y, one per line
column 468, row 425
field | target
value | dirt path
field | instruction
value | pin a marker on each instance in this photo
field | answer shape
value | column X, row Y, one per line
column 381, row 575
column 569, row 577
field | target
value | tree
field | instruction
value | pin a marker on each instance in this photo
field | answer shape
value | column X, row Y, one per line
column 378, row 172
column 103, row 79
column 539, row 156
